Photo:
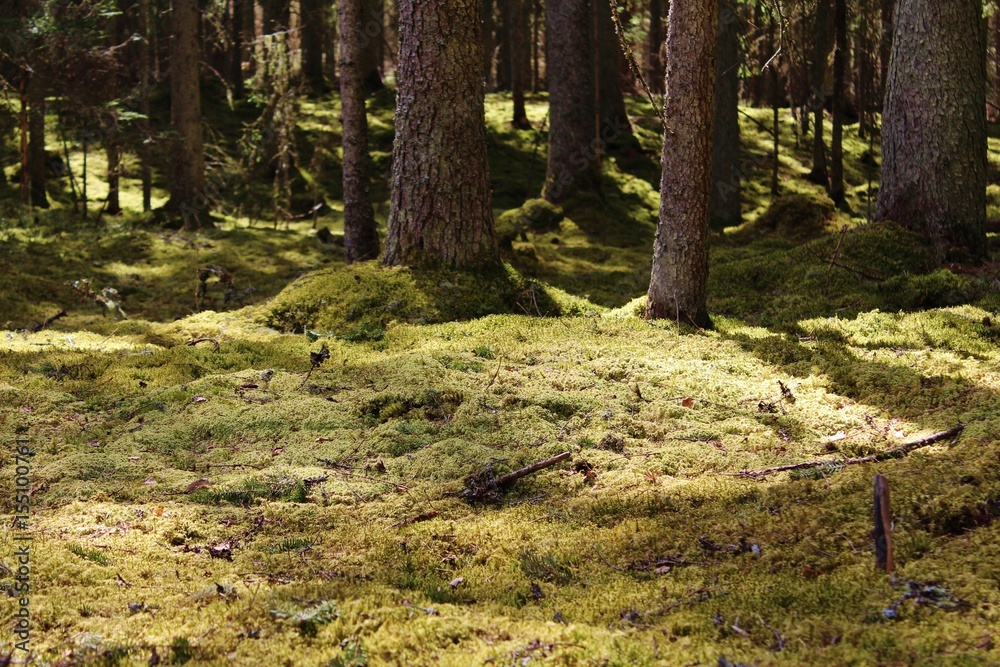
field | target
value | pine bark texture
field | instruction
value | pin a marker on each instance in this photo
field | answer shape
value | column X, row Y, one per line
column 680, row 251
column 188, row 183
column 823, row 44
column 441, row 210
column 934, row 126
column 573, row 159
column 520, row 60
column 726, row 208
column 654, row 47
column 360, row 232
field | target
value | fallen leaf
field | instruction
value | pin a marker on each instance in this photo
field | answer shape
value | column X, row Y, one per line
column 323, row 438
column 134, row 458
column 688, row 402
column 200, row 399
column 839, row 435
column 150, row 482
column 197, row 485
column 159, row 511
column 456, row 582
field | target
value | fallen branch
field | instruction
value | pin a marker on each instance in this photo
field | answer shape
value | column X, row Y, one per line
column 45, row 323
column 192, row 343
column 482, row 486
column 893, row 453
column 836, row 253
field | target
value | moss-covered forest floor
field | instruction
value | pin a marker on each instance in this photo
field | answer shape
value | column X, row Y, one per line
column 204, row 490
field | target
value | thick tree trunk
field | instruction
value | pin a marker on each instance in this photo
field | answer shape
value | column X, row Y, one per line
column 616, row 128
column 36, row 141
column 654, row 46
column 536, row 20
column 680, row 252
column 823, row 45
column 441, row 212
column 934, row 127
column 726, row 209
column 837, row 133
column 360, row 233
column 520, row 56
column 112, row 134
column 573, row 159
column 187, row 186
column 313, row 29
column 372, row 36
column 865, row 72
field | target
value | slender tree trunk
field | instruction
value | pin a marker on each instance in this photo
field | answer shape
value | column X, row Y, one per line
column 372, row 35
column 441, row 212
column 615, row 128
column 865, row 71
column 112, row 134
column 885, row 46
column 330, row 49
column 234, row 55
column 489, row 35
column 934, row 127
column 520, row 55
column 187, row 188
column 572, row 162
column 145, row 136
column 504, row 72
column 680, row 252
column 36, row 141
column 360, row 233
column 536, row 19
column 24, row 132
column 312, row 44
column 654, row 63
column 837, row 134
column 725, row 203
column 775, row 93
column 823, row 45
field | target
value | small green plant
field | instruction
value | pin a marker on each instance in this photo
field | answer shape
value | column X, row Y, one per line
column 93, row 555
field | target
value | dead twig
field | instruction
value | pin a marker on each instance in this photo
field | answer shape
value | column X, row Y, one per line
column 45, row 323
column 893, row 453
column 482, row 486
column 192, row 343
column 836, row 253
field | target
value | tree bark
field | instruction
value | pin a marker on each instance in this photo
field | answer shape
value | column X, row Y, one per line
column 36, row 140
column 372, row 35
column 573, row 160
column 837, row 193
column 112, row 134
column 145, row 136
column 234, row 56
column 615, row 123
column 823, row 44
column 313, row 29
column 187, row 188
column 360, row 232
column 934, row 127
column 725, row 203
column 885, row 46
column 441, row 211
column 489, row 35
column 654, row 63
column 680, row 251
column 520, row 57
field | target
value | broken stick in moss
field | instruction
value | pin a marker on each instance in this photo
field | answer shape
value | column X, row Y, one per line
column 893, row 453
column 484, row 487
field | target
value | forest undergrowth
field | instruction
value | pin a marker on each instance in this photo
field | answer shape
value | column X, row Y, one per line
column 275, row 475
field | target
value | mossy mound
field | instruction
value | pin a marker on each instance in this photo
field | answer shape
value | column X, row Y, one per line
column 774, row 281
column 359, row 301
column 535, row 215
column 798, row 218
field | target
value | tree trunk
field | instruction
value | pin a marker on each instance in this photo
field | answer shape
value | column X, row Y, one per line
column 234, row 55
column 615, row 128
column 187, row 188
column 572, row 162
column 823, row 44
column 865, row 72
column 680, row 252
column 441, row 212
column 654, row 63
column 885, row 47
column 312, row 45
column 837, row 133
column 372, row 33
column 934, row 127
column 504, row 73
column 726, row 209
column 489, row 35
column 36, row 140
column 536, row 20
column 145, row 136
column 112, row 134
column 520, row 56
column 360, row 232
